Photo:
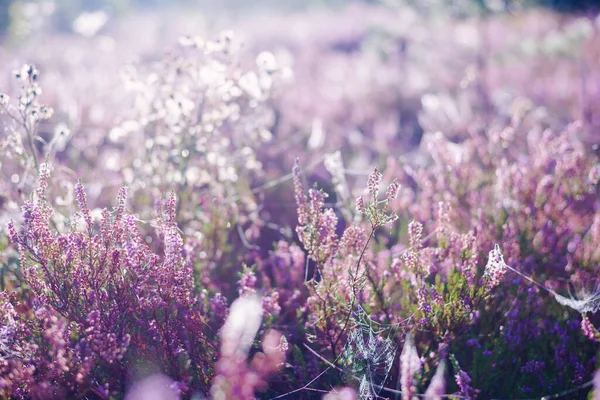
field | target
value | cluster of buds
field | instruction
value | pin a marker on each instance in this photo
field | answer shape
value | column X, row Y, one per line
column 375, row 210
column 588, row 329
column 316, row 225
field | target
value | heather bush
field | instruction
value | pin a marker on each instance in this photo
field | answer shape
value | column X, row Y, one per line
column 96, row 302
column 396, row 204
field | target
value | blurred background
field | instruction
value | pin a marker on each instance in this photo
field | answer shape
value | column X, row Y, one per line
column 368, row 77
column 20, row 19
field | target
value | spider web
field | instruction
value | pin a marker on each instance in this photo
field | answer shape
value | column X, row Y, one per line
column 369, row 355
column 587, row 302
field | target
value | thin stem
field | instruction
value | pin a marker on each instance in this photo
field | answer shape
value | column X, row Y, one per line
column 354, row 289
column 30, row 139
column 379, row 387
column 303, row 387
column 23, row 121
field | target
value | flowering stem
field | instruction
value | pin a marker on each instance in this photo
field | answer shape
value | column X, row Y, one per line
column 354, row 288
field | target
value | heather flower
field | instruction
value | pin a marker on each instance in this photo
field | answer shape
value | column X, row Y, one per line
column 463, row 381
column 443, row 218
column 423, row 301
column 103, row 294
column 27, row 71
column 392, row 190
column 44, row 176
column 588, row 329
column 317, row 229
column 594, row 174
column 46, row 112
column 247, row 282
column 373, row 182
column 411, row 260
column 271, row 304
column 353, row 240
column 376, row 211
column 415, row 234
column 495, row 268
column 12, row 232
column 360, row 205
column 82, row 202
column 218, row 305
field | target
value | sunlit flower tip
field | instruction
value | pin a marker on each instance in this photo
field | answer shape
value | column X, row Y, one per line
column 283, row 344
column 415, row 232
column 27, row 71
column 12, row 232
column 373, row 182
column 392, row 190
column 496, row 267
column 46, row 112
column 588, row 329
column 360, row 205
column 266, row 61
column 4, row 98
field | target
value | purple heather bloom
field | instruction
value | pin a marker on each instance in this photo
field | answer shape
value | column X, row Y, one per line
column 373, row 183
column 589, row 330
column 360, row 205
